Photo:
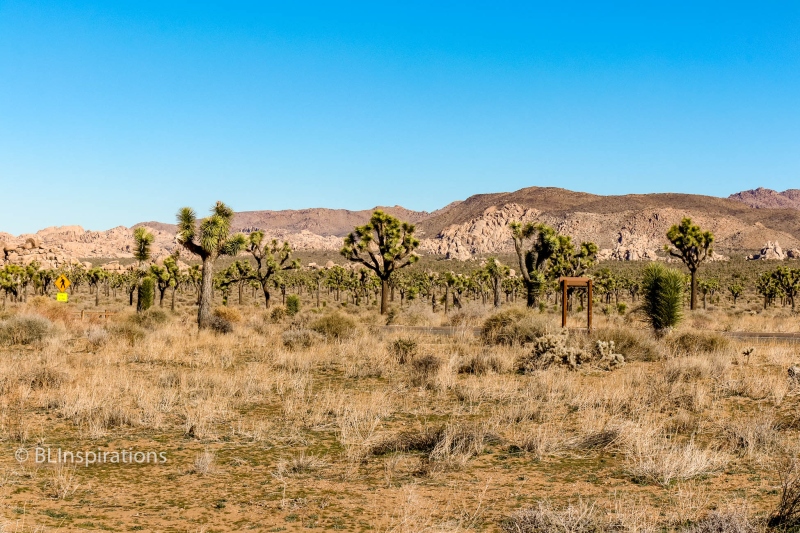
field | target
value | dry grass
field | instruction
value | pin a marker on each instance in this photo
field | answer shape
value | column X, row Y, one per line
column 324, row 420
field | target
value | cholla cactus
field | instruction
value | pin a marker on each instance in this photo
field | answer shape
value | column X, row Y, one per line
column 551, row 350
column 608, row 360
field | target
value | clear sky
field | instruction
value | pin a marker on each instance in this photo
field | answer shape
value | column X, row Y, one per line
column 115, row 112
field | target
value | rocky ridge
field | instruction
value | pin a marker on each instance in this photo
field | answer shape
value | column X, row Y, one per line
column 626, row 228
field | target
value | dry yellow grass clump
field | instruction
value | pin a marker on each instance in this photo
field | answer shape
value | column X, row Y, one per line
column 330, row 420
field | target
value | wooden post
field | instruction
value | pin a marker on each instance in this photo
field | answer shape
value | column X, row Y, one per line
column 589, row 317
column 563, row 303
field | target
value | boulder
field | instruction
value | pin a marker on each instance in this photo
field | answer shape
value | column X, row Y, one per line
column 772, row 251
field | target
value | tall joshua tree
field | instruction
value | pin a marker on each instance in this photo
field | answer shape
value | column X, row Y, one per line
column 270, row 259
column 692, row 245
column 543, row 244
column 142, row 241
column 384, row 245
column 208, row 239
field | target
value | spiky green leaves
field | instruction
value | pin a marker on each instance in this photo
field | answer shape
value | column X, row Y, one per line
column 692, row 244
column 211, row 237
column 662, row 296
column 142, row 241
column 383, row 245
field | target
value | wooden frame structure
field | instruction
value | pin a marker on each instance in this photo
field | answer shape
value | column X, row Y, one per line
column 567, row 282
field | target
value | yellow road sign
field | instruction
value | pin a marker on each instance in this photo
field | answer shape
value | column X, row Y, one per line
column 62, row 297
column 62, row 283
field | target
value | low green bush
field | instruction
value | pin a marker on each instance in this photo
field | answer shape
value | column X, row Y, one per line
column 334, row 326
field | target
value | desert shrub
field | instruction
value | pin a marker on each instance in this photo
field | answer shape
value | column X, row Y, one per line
column 662, row 296
column 694, row 342
column 301, row 338
column 334, row 326
column 24, row 329
column 231, row 314
column 403, row 350
column 292, row 304
column 277, row 314
column 129, row 331
column 551, row 350
column 728, row 521
column 480, row 363
column 580, row 517
column 424, row 440
column 97, row 337
column 220, row 325
column 786, row 517
column 45, row 377
column 635, row 345
column 513, row 326
column 458, row 444
column 652, row 459
column 150, row 319
column 49, row 309
column 622, row 307
column 424, row 369
column 465, row 317
column 146, row 294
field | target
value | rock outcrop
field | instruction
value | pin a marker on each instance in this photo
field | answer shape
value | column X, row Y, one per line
column 772, row 251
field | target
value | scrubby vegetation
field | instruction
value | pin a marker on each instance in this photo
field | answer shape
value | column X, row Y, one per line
column 445, row 414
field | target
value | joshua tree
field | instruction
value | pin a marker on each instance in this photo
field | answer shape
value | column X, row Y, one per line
column 662, row 292
column 788, row 279
column 497, row 272
column 692, row 246
column 208, row 240
column 142, row 242
column 768, row 287
column 270, row 259
column 95, row 276
column 239, row 273
column 533, row 260
column 736, row 290
column 383, row 245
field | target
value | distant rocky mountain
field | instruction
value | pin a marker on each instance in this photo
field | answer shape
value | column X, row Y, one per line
column 632, row 226
column 762, row 198
column 626, row 227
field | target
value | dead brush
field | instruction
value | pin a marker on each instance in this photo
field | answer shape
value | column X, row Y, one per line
column 748, row 436
column 653, row 459
column 423, row 370
column 458, row 444
column 786, row 517
column 541, row 441
column 358, row 424
column 63, row 481
column 300, row 464
column 578, row 517
column 423, row 440
column 204, row 463
column 724, row 521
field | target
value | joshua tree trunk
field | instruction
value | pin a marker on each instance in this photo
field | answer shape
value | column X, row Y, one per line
column 97, row 296
column 693, row 303
column 496, row 282
column 265, row 288
column 241, row 297
column 172, row 305
column 319, row 286
column 206, row 293
column 384, row 296
column 446, row 299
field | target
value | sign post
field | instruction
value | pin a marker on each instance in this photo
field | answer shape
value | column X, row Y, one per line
column 567, row 282
column 62, row 284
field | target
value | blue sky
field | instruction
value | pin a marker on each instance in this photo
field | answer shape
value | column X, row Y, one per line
column 117, row 112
